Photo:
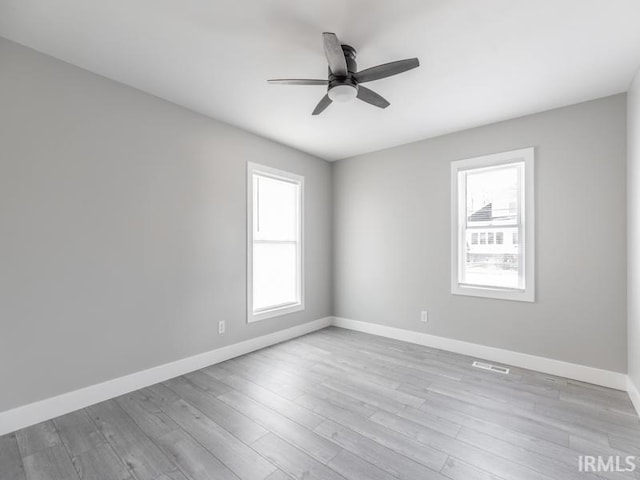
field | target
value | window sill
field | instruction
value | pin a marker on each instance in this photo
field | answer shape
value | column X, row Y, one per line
column 275, row 312
column 495, row 293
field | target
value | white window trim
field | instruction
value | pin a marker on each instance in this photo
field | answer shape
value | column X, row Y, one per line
column 458, row 212
column 290, row 177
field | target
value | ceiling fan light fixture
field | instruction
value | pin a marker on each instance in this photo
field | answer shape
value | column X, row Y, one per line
column 343, row 93
column 344, row 80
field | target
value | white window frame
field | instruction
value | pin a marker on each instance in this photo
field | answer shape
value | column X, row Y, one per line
column 254, row 168
column 527, row 224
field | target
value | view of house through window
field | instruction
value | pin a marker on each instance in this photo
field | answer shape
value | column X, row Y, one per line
column 492, row 196
column 275, row 257
column 492, row 226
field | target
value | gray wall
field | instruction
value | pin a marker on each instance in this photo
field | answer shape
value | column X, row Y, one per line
column 122, row 232
column 633, row 229
column 392, row 237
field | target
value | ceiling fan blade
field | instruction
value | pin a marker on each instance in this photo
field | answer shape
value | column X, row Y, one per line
column 335, row 55
column 386, row 70
column 322, row 104
column 371, row 97
column 297, row 81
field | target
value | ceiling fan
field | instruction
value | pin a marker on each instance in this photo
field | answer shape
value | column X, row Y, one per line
column 344, row 82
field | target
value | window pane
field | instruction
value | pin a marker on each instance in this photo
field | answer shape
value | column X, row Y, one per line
column 474, row 238
column 275, row 209
column 274, row 274
column 492, row 264
column 492, row 196
column 492, row 203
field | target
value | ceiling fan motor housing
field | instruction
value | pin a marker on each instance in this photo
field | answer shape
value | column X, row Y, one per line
column 343, row 89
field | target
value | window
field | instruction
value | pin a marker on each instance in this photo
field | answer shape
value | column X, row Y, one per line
column 492, row 196
column 474, row 238
column 274, row 266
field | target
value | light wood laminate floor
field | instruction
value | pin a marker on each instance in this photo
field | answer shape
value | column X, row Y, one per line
column 335, row 405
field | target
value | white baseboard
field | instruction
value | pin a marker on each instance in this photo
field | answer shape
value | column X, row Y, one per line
column 24, row 416
column 634, row 394
column 597, row 376
column 49, row 408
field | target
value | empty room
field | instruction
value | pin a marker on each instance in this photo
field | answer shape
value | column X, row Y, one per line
column 319, row 240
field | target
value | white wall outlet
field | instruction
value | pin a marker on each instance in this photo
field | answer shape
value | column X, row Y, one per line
column 221, row 327
column 424, row 316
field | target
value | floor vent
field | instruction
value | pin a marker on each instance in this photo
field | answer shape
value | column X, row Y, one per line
column 493, row 368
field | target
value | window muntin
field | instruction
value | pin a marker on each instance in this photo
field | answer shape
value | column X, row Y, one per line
column 492, row 200
column 275, row 243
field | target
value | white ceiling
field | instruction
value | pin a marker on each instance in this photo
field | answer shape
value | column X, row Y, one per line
column 482, row 61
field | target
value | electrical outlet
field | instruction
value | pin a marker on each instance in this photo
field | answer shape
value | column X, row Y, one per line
column 221, row 327
column 424, row 316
